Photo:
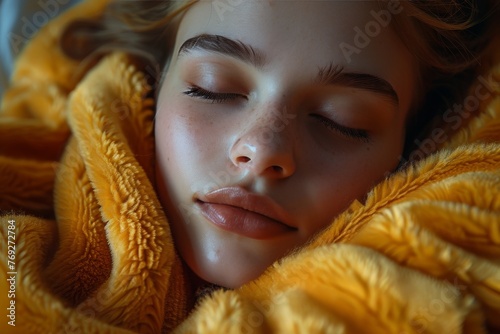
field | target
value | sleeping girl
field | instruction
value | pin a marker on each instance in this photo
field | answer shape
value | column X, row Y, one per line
column 281, row 173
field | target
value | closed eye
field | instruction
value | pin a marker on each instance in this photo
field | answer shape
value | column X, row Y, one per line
column 214, row 97
column 358, row 134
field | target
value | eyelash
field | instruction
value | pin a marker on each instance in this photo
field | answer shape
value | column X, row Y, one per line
column 212, row 96
column 357, row 134
column 201, row 93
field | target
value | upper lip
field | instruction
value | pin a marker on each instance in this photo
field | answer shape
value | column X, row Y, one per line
column 239, row 197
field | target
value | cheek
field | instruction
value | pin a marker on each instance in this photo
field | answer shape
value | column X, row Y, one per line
column 181, row 141
column 190, row 145
column 338, row 179
column 174, row 153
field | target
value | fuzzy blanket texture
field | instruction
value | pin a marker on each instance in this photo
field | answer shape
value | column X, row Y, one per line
column 94, row 254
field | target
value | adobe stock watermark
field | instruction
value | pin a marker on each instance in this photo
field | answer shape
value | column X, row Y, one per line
column 373, row 28
column 90, row 309
column 12, row 271
column 454, row 117
column 437, row 308
column 262, row 308
column 48, row 10
column 217, row 179
column 223, row 6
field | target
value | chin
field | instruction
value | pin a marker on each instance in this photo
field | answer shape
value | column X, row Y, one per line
column 224, row 274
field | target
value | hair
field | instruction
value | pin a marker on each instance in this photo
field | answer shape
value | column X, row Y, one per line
column 447, row 38
column 143, row 29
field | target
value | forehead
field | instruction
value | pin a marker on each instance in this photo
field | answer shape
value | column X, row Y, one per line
column 312, row 22
column 344, row 31
column 266, row 22
column 306, row 34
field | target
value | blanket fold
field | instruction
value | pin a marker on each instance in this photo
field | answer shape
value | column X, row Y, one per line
column 94, row 252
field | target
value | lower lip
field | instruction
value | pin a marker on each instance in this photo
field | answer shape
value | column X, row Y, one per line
column 243, row 222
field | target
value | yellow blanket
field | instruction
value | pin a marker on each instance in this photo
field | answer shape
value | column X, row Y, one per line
column 86, row 248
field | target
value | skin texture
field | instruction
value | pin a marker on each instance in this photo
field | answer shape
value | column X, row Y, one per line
column 268, row 138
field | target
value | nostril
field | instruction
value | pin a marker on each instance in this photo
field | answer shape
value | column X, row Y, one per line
column 243, row 159
column 278, row 169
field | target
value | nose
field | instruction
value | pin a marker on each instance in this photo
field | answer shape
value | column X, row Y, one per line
column 265, row 148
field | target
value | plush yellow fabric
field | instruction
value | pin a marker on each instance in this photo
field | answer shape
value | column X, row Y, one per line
column 94, row 252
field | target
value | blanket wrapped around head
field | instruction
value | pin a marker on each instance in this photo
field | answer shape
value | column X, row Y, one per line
column 88, row 246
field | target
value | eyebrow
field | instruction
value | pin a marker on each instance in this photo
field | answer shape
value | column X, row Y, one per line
column 328, row 75
column 225, row 46
column 335, row 75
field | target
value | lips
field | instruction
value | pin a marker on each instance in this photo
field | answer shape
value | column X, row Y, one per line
column 236, row 210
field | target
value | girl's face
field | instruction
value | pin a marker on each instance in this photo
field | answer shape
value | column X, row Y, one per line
column 266, row 129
